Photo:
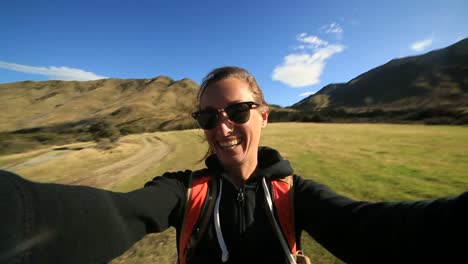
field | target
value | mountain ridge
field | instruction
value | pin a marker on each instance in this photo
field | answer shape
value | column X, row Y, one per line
column 428, row 88
column 430, row 74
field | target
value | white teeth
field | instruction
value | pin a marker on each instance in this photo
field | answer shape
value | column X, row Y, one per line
column 230, row 144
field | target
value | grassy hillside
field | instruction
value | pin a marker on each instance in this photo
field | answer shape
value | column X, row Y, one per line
column 41, row 114
column 133, row 105
column 363, row 161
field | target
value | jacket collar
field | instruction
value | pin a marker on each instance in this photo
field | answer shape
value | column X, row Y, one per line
column 270, row 165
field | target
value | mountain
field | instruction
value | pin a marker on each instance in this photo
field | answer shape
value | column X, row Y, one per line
column 132, row 105
column 435, row 83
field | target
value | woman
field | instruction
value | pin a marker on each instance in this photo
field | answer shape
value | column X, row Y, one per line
column 50, row 223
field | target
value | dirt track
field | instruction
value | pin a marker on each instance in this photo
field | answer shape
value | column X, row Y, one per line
column 140, row 152
column 153, row 150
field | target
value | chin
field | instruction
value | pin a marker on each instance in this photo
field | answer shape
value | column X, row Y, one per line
column 233, row 157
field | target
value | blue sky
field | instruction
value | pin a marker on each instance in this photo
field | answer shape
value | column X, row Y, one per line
column 293, row 48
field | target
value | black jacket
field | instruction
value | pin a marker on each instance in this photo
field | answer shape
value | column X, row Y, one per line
column 51, row 223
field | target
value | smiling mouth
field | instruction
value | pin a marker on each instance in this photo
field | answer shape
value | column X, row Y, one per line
column 230, row 144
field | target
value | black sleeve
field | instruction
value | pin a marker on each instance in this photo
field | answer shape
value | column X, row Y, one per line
column 52, row 223
column 385, row 232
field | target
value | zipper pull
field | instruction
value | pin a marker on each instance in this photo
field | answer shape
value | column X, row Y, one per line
column 240, row 196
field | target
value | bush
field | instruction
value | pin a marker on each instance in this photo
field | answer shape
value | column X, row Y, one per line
column 314, row 118
column 131, row 130
column 104, row 129
column 44, row 137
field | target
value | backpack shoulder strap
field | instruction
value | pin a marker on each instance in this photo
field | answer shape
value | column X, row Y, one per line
column 283, row 199
column 197, row 208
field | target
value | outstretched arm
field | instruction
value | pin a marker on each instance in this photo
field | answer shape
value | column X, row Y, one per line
column 52, row 223
column 362, row 232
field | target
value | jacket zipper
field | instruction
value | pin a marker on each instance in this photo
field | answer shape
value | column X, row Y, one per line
column 240, row 203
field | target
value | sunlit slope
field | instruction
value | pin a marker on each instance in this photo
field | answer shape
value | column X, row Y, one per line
column 145, row 103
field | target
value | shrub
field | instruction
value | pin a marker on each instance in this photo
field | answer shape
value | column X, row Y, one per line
column 44, row 137
column 131, row 130
column 104, row 129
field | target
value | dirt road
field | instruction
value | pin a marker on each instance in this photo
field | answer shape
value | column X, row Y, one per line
column 140, row 153
column 152, row 150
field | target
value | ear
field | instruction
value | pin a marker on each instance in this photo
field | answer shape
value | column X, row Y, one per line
column 264, row 119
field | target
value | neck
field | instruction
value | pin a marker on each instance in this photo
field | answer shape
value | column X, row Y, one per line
column 240, row 174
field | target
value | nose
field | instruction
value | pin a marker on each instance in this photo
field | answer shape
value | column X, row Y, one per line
column 225, row 125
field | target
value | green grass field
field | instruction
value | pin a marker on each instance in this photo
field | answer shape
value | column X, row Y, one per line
column 373, row 162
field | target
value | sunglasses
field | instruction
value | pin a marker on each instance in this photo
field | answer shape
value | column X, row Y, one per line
column 238, row 113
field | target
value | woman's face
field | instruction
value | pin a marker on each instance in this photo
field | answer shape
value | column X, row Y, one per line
column 233, row 144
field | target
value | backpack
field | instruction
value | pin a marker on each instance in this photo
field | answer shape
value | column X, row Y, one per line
column 201, row 196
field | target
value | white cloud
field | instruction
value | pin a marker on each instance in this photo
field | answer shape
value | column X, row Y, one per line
column 305, row 94
column 303, row 69
column 301, row 47
column 312, row 40
column 54, row 73
column 333, row 28
column 422, row 44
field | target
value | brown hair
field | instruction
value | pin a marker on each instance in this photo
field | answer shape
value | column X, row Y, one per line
column 239, row 73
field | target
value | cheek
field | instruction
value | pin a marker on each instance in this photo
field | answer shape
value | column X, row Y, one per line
column 210, row 136
column 256, row 124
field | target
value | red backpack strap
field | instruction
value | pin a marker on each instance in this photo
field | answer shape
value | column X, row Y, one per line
column 196, row 196
column 283, row 200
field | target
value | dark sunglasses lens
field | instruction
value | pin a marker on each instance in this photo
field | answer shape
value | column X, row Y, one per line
column 207, row 120
column 238, row 113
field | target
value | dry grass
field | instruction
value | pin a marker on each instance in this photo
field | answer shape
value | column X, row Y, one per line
column 146, row 103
